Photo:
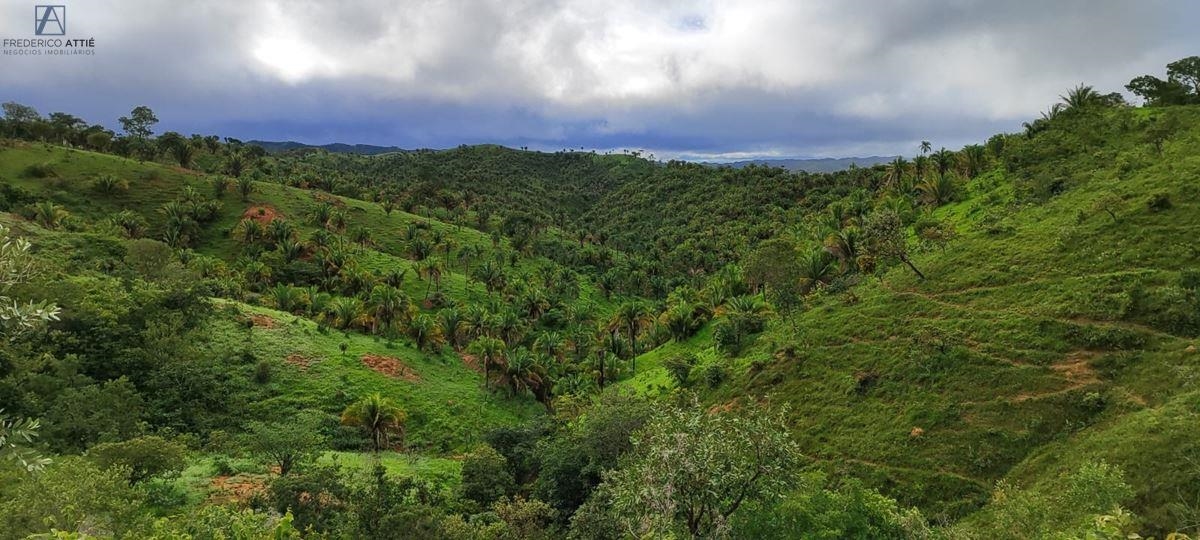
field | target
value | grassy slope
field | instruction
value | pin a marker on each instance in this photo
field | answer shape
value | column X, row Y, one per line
column 448, row 407
column 995, row 355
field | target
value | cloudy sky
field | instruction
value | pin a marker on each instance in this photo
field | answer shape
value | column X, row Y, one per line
column 693, row 79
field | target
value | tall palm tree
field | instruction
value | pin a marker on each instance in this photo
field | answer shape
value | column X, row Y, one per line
column 926, row 147
column 387, row 305
column 895, row 171
column 943, row 161
column 377, row 416
column 491, row 351
column 631, row 317
column 453, row 326
column 972, row 159
column 844, row 244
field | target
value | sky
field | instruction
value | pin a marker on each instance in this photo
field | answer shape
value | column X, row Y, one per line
column 700, row 79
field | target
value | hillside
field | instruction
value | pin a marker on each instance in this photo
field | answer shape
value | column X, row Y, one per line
column 995, row 342
column 1046, row 334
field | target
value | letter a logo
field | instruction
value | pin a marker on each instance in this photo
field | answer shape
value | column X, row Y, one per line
column 50, row 20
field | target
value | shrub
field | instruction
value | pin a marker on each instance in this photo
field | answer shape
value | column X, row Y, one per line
column 1158, row 202
column 714, row 375
column 485, row 476
column 262, row 372
column 39, row 170
column 142, row 458
column 679, row 368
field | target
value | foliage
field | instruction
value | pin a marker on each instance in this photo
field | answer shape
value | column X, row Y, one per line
column 691, row 470
column 142, row 458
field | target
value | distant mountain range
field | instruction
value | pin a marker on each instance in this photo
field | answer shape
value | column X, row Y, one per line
column 812, row 165
column 275, row 147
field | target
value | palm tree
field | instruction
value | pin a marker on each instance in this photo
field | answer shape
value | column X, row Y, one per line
column 387, row 305
column 1081, row 97
column 844, row 245
column 896, row 170
column 132, row 224
column 920, row 165
column 926, row 147
column 285, row 298
column 426, row 333
column 250, row 231
column 938, row 191
column 48, row 214
column 815, row 269
column 280, row 232
column 972, row 159
column 943, row 160
column 245, row 187
column 453, row 326
column 632, row 317
column 378, row 417
column 491, row 351
column 346, row 311
column 431, row 270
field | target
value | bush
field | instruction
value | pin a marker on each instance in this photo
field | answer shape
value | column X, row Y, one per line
column 262, row 372
column 142, row 458
column 39, row 170
column 714, row 375
column 485, row 476
column 1158, row 202
column 680, row 367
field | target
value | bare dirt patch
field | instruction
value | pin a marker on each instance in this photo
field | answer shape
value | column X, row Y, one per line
column 236, row 489
column 261, row 214
column 300, row 361
column 263, row 321
column 1075, row 368
column 472, row 362
column 321, row 197
column 391, row 367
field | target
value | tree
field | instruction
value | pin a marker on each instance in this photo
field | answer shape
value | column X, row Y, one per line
column 1109, row 203
column 631, row 317
column 378, row 417
column 887, row 238
column 926, row 147
column 485, row 476
column 1081, row 97
column 287, row 444
column 142, row 458
column 426, row 333
column 388, row 305
column 245, row 187
column 17, row 266
column 691, row 470
column 489, row 349
column 16, row 435
column 346, row 311
column 1182, row 86
column 49, row 215
column 140, row 122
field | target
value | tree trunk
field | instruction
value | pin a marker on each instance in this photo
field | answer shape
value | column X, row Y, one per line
column 914, row 268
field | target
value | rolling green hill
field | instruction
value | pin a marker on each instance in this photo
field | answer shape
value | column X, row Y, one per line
column 1003, row 338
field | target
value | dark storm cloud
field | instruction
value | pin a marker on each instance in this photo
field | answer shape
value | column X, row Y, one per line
column 699, row 79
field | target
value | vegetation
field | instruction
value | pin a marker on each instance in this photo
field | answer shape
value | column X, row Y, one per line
column 204, row 340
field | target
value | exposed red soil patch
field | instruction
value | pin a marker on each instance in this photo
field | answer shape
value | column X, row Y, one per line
column 236, row 489
column 392, row 367
column 261, row 214
column 300, row 361
column 263, row 321
column 723, row 407
column 321, row 197
column 1076, row 369
column 472, row 362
